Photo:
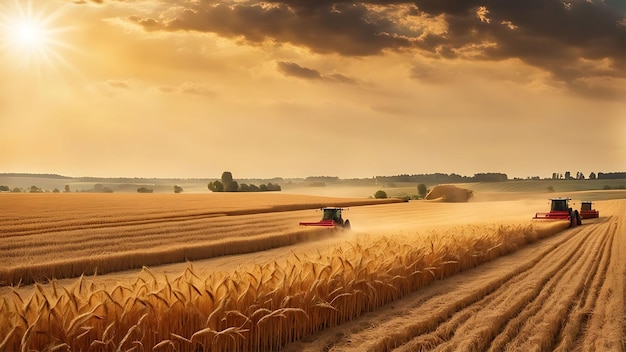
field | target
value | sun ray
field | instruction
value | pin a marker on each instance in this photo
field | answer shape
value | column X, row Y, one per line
column 31, row 37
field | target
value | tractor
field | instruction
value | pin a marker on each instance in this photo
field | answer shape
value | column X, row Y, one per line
column 586, row 210
column 560, row 210
column 331, row 218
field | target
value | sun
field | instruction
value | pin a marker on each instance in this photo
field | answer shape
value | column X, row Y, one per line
column 31, row 37
column 27, row 35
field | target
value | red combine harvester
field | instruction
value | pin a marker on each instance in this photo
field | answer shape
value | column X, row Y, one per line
column 587, row 212
column 560, row 210
column 331, row 217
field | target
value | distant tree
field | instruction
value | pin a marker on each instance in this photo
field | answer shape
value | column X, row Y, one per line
column 592, row 176
column 4, row 188
column 490, row 177
column 227, row 177
column 422, row 190
column 324, row 179
column 233, row 186
column 144, row 190
column 263, row 188
column 56, row 190
column 380, row 194
column 178, row 189
column 273, row 187
column 568, row 175
column 216, row 186
column 16, row 190
column 100, row 188
column 611, row 175
column 35, row 189
column 254, row 188
column 67, row 188
column 244, row 188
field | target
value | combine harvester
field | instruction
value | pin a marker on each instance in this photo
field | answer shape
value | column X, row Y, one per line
column 586, row 210
column 560, row 210
column 331, row 218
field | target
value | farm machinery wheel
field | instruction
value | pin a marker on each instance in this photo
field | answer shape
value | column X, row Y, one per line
column 574, row 218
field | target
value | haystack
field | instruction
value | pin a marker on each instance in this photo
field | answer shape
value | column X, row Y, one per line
column 449, row 193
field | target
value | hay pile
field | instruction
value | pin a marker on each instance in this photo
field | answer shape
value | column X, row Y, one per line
column 449, row 193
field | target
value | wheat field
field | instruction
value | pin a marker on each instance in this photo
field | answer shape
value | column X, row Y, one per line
column 47, row 236
column 260, row 308
column 563, row 293
column 397, row 255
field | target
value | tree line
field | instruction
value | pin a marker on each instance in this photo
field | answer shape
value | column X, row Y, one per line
column 228, row 184
column 592, row 176
column 437, row 178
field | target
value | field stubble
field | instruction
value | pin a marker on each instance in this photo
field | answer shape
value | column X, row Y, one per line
column 269, row 306
column 564, row 293
column 48, row 236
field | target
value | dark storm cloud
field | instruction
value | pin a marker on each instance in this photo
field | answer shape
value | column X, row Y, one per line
column 346, row 29
column 550, row 34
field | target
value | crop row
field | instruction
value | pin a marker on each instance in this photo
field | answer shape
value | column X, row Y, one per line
column 250, row 309
column 46, row 236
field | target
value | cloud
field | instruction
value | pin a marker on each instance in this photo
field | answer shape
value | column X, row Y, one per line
column 558, row 37
column 84, row 2
column 346, row 29
column 337, row 77
column 119, row 84
column 188, row 88
column 295, row 70
column 113, row 87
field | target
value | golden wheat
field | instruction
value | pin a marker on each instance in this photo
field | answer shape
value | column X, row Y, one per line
column 257, row 309
column 46, row 236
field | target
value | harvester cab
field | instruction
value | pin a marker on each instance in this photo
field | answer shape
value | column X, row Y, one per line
column 560, row 204
column 560, row 210
column 331, row 217
column 587, row 211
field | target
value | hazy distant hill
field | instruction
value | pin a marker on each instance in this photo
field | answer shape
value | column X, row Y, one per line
column 401, row 185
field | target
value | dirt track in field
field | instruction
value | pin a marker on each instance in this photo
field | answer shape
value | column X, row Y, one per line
column 565, row 293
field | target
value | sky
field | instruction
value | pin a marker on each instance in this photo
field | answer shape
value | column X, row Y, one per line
column 296, row 88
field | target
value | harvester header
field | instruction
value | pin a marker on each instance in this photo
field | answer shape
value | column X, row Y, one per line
column 331, row 217
column 560, row 210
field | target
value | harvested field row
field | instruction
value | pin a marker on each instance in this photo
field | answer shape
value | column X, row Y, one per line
column 28, row 214
column 261, row 308
column 66, row 243
column 565, row 293
column 60, row 253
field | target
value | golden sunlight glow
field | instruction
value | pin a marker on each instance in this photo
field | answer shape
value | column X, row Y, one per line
column 30, row 36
